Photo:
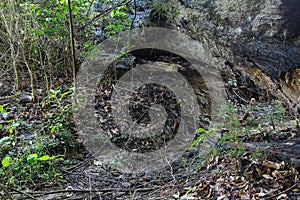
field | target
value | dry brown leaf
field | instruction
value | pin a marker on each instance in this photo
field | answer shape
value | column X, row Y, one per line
column 267, row 176
column 209, row 193
column 204, row 188
column 199, row 183
column 260, row 194
column 277, row 175
column 242, row 185
column 274, row 165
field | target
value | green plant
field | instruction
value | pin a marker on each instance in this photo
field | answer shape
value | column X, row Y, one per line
column 120, row 22
column 217, row 171
column 175, row 12
column 132, row 195
column 42, row 35
column 4, row 115
column 293, row 122
column 275, row 115
column 200, row 138
column 227, row 131
column 59, row 114
column 190, row 189
column 30, row 167
column 232, row 82
column 3, row 111
column 259, row 152
column 230, row 125
column 10, row 126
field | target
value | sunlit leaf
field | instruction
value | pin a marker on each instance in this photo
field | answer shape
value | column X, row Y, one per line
column 2, row 107
column 200, row 138
column 66, row 93
column 31, row 158
column 201, row 130
column 44, row 158
column 6, row 161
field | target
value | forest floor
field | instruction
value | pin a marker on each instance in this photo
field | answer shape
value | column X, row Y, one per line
column 43, row 157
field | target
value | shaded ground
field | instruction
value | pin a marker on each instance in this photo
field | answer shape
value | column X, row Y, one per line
column 265, row 166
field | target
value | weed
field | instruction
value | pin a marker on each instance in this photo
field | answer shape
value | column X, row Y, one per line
column 58, row 117
column 190, row 189
column 275, row 114
column 30, row 166
column 230, row 127
column 232, row 83
column 227, row 132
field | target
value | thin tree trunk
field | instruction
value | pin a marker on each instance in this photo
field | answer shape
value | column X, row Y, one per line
column 72, row 43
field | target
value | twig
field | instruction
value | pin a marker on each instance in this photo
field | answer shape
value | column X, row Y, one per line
column 241, row 98
column 134, row 18
column 78, row 165
column 284, row 191
column 71, row 29
column 18, row 191
column 246, row 114
column 171, row 168
column 5, row 190
column 90, row 187
column 95, row 190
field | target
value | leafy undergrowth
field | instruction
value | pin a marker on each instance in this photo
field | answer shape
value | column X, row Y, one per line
column 249, row 161
column 34, row 141
column 42, row 159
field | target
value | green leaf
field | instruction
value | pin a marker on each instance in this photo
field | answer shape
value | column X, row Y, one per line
column 6, row 161
column 200, row 138
column 66, row 93
column 31, row 158
column 2, row 107
column 68, row 162
column 53, row 129
column 259, row 127
column 44, row 158
column 234, row 83
column 58, row 15
column 201, row 130
column 189, row 189
column 113, row 13
column 39, row 32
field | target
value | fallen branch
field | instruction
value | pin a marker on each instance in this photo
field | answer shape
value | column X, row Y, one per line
column 94, row 190
column 18, row 191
